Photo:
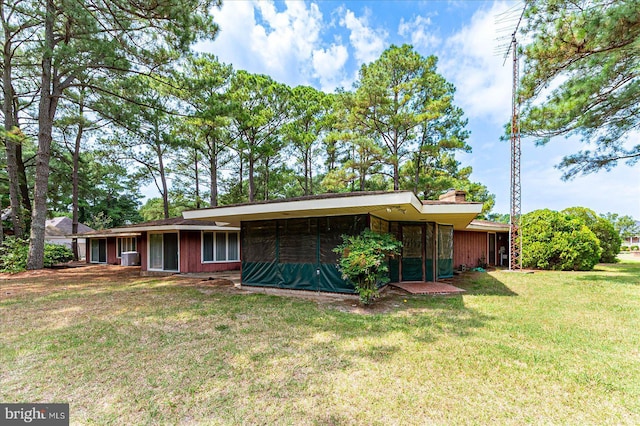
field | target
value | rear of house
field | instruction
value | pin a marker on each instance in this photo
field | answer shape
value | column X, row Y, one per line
column 289, row 243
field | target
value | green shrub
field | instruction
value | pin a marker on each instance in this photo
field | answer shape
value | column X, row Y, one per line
column 634, row 248
column 14, row 253
column 56, row 253
column 552, row 240
column 624, row 248
column 606, row 233
column 363, row 261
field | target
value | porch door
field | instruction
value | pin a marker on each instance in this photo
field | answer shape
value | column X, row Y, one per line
column 170, row 252
column 412, row 253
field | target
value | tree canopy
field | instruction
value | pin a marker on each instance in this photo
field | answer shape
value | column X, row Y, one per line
column 582, row 78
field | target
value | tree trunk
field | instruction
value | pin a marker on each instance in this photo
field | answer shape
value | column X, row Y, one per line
column 25, row 196
column 1, row 228
column 49, row 96
column 75, row 182
column 213, row 175
column 197, row 179
column 11, row 146
column 252, row 184
column 163, row 179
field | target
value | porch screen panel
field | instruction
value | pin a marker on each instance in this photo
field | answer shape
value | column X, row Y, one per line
column 259, row 241
column 331, row 231
column 412, row 253
column 445, row 251
column 429, row 247
column 298, row 241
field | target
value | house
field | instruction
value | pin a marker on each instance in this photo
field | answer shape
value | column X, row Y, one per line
column 168, row 246
column 58, row 229
column 289, row 243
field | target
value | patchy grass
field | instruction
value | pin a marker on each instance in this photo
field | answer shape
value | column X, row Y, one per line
column 549, row 347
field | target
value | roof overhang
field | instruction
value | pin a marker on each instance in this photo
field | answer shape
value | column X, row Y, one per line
column 497, row 227
column 138, row 230
column 392, row 206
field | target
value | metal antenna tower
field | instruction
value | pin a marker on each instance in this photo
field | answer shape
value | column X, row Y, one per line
column 515, row 240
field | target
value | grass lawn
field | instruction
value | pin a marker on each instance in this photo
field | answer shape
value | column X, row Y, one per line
column 544, row 348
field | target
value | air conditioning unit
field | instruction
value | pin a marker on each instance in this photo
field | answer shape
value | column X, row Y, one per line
column 130, row 258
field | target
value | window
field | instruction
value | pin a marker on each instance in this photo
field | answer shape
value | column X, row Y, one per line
column 126, row 244
column 220, row 247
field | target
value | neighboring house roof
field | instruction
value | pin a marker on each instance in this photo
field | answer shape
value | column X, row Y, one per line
column 393, row 206
column 174, row 224
column 486, row 225
column 60, row 227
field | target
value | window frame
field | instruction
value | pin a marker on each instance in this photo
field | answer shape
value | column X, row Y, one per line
column 119, row 250
column 214, row 236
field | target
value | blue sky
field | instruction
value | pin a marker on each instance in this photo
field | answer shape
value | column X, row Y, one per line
column 323, row 43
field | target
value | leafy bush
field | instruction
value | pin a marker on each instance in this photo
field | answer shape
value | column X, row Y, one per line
column 14, row 253
column 363, row 261
column 624, row 248
column 634, row 248
column 552, row 240
column 56, row 253
column 606, row 233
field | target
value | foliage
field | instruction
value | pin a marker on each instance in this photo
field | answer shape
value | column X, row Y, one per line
column 634, row 248
column 553, row 240
column 609, row 239
column 406, row 107
column 363, row 260
column 626, row 226
column 590, row 48
column 14, row 252
column 55, row 254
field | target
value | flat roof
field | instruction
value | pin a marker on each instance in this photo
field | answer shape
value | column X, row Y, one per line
column 401, row 206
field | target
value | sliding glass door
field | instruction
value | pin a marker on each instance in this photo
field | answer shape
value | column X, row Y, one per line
column 163, row 252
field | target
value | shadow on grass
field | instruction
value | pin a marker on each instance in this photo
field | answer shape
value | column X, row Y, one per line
column 613, row 273
column 482, row 283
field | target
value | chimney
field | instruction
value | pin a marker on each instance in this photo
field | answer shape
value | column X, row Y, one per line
column 454, row 196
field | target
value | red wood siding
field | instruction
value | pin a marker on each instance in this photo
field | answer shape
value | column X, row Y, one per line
column 468, row 248
column 111, row 251
column 191, row 255
column 142, row 249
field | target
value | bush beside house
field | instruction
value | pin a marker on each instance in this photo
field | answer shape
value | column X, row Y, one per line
column 554, row 240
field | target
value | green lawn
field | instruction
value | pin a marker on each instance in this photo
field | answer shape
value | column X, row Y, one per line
column 544, row 348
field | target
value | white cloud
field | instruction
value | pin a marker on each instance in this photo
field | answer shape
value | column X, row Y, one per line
column 328, row 65
column 367, row 42
column 482, row 79
column 416, row 31
column 255, row 36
